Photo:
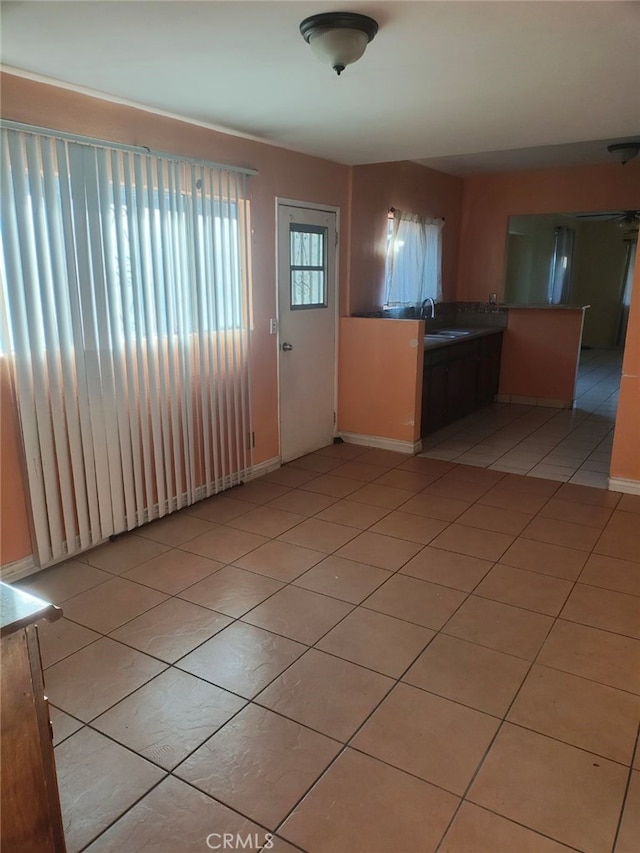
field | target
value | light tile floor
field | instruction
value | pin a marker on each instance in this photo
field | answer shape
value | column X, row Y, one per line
column 361, row 651
column 559, row 444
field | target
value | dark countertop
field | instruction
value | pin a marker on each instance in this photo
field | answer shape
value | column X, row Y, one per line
column 545, row 306
column 19, row 609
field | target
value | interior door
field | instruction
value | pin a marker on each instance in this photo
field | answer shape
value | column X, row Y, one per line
column 307, row 328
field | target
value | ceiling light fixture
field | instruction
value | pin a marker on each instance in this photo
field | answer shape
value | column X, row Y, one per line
column 338, row 38
column 624, row 151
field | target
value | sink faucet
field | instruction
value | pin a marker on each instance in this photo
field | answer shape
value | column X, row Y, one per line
column 433, row 308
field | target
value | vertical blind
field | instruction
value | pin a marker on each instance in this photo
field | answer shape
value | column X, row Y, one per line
column 125, row 299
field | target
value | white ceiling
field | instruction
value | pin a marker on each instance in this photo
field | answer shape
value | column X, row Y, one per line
column 460, row 86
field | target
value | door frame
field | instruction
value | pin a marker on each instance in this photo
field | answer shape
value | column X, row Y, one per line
column 325, row 208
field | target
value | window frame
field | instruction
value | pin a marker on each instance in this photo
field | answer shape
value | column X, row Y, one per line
column 322, row 230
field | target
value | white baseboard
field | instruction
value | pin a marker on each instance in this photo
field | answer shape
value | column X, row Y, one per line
column 263, row 468
column 620, row 484
column 18, row 569
column 534, row 401
column 27, row 566
column 382, row 443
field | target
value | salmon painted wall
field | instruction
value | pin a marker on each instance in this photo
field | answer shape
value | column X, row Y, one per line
column 540, row 352
column 406, row 186
column 625, row 457
column 380, row 377
column 282, row 174
column 489, row 200
column 15, row 535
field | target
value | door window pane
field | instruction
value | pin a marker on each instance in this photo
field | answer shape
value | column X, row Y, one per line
column 308, row 266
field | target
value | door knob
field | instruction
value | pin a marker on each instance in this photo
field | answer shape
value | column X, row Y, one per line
column 287, row 347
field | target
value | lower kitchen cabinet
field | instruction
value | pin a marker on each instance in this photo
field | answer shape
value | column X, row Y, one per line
column 459, row 377
column 489, row 368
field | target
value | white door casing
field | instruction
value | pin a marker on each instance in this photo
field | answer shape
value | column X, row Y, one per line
column 307, row 311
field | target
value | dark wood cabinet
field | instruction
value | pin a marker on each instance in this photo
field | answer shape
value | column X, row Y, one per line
column 31, row 819
column 434, row 396
column 459, row 378
column 489, row 368
column 462, row 379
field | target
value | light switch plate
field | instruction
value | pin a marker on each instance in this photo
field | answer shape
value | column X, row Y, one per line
column 273, row 327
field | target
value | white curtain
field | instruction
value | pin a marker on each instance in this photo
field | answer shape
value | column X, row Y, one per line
column 414, row 260
column 631, row 251
column 125, row 301
column 561, row 264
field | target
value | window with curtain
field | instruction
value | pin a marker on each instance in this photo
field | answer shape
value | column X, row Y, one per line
column 631, row 253
column 413, row 270
column 125, row 317
column 561, row 265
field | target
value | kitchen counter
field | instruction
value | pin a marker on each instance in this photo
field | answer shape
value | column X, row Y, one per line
column 380, row 382
column 545, row 306
column 541, row 355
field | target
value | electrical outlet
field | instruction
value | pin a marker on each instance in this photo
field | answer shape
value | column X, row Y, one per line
column 493, row 298
column 273, row 327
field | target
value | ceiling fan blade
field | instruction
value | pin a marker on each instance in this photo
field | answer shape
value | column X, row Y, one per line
column 601, row 216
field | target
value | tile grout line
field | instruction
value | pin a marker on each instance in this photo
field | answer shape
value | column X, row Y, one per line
column 635, row 752
column 504, row 719
column 397, row 680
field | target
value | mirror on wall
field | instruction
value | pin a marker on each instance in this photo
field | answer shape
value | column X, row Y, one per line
column 575, row 259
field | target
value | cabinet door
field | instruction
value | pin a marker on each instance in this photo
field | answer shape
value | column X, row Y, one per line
column 489, row 369
column 462, row 380
column 436, row 414
column 458, row 379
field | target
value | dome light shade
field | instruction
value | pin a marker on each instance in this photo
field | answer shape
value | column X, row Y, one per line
column 338, row 38
column 624, row 151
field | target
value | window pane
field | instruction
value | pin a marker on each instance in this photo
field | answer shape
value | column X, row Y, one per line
column 307, row 288
column 308, row 266
column 307, row 248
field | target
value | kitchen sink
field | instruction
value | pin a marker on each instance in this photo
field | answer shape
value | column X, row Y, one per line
column 450, row 333
column 441, row 335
